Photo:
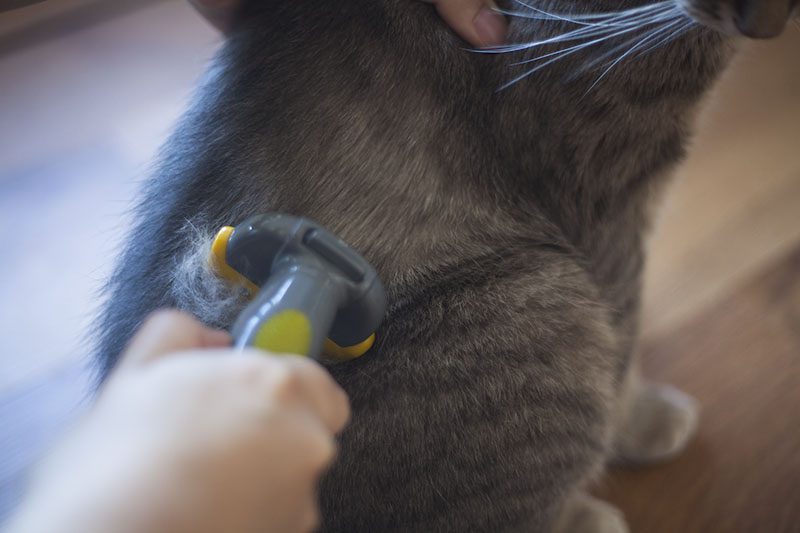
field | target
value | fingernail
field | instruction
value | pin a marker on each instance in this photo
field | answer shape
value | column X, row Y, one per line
column 490, row 26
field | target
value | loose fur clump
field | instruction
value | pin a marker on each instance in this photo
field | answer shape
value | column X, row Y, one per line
column 198, row 290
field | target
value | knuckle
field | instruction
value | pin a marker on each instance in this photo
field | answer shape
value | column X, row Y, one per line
column 273, row 376
column 343, row 416
column 315, row 374
column 285, row 382
column 251, row 371
column 323, row 450
column 311, row 518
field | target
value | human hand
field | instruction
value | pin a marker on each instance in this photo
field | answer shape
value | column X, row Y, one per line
column 473, row 20
column 187, row 436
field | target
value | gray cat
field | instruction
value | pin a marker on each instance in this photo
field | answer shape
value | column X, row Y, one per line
column 502, row 197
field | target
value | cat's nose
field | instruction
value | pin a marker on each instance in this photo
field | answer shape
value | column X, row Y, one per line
column 762, row 19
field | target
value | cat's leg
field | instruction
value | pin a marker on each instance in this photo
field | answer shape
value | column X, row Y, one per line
column 655, row 421
column 582, row 513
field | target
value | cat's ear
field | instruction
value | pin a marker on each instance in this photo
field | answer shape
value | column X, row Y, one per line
column 476, row 21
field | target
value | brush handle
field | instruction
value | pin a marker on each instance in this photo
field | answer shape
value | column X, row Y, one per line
column 292, row 313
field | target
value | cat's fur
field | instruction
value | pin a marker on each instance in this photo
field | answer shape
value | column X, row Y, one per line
column 506, row 226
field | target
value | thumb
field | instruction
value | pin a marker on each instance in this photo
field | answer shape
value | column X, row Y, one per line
column 474, row 20
column 168, row 331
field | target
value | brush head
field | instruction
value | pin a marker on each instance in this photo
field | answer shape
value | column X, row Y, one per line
column 269, row 248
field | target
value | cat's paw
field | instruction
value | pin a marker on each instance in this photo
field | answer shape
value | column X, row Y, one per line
column 661, row 424
column 584, row 514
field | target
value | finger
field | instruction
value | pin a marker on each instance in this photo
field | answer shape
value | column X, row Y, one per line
column 309, row 520
column 474, row 20
column 293, row 378
column 318, row 448
column 168, row 331
column 299, row 507
column 325, row 397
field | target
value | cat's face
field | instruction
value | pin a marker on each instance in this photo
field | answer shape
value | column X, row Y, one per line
column 752, row 18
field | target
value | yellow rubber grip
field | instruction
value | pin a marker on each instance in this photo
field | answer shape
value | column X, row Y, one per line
column 345, row 353
column 218, row 261
column 287, row 331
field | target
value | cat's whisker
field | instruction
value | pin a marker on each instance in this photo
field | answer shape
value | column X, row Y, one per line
column 649, row 37
column 667, row 39
column 582, row 33
column 603, row 59
column 656, row 7
column 653, row 25
column 573, row 35
column 562, row 52
column 609, row 35
column 559, row 54
column 622, row 46
column 604, row 18
column 618, row 20
column 538, row 13
column 641, row 19
column 647, row 7
column 665, row 13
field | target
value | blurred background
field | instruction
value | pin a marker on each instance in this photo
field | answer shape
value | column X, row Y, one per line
column 90, row 88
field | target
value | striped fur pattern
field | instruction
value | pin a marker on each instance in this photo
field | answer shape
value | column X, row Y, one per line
column 505, row 220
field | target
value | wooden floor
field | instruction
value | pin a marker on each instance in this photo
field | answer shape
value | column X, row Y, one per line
column 741, row 359
column 84, row 105
column 735, row 203
column 88, row 91
column 722, row 312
